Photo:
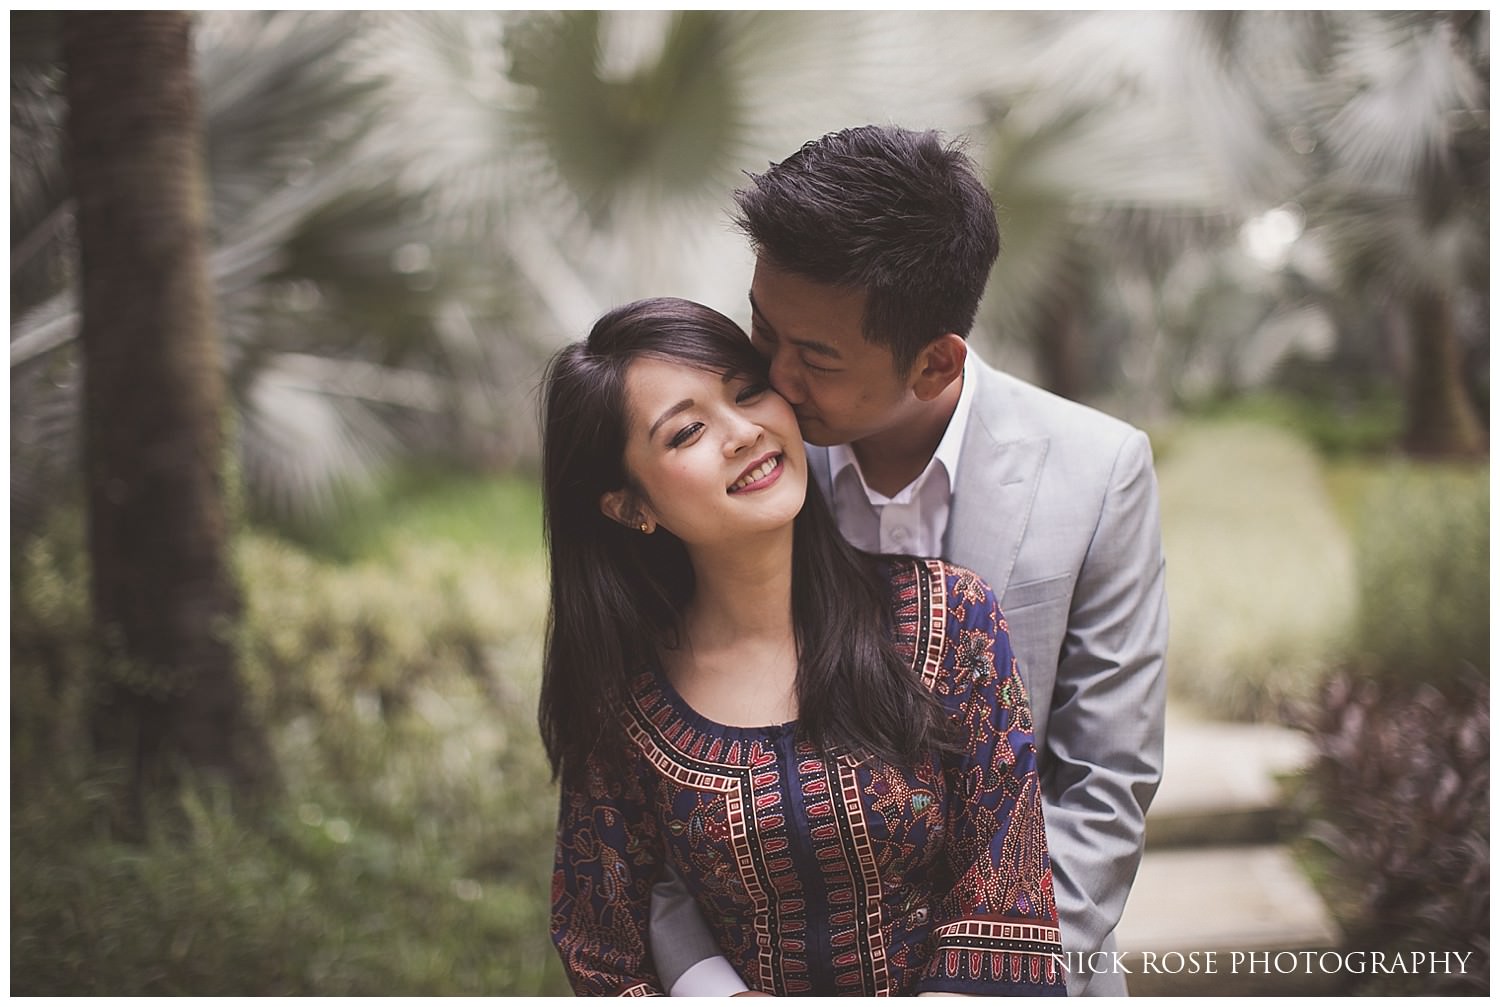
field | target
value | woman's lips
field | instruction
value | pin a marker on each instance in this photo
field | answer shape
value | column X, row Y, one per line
column 763, row 473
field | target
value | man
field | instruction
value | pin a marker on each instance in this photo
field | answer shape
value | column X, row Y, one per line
column 873, row 248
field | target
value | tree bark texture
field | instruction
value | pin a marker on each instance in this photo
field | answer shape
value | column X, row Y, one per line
column 1060, row 340
column 163, row 596
column 1441, row 421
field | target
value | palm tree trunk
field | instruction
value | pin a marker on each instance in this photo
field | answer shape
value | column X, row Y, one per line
column 1440, row 418
column 164, row 601
column 1060, row 349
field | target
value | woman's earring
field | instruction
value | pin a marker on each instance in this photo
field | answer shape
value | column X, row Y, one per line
column 645, row 528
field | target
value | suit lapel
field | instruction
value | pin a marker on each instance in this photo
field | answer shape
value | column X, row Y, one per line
column 999, row 471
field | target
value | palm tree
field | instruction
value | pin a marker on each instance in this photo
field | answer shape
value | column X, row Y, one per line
column 1129, row 150
column 443, row 198
column 411, row 209
column 163, row 596
column 1404, row 204
column 1386, row 117
column 1119, row 147
column 337, row 304
column 403, row 223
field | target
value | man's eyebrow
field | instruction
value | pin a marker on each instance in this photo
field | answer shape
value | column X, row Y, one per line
column 667, row 415
column 810, row 345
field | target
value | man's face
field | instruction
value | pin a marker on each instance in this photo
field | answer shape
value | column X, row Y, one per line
column 842, row 388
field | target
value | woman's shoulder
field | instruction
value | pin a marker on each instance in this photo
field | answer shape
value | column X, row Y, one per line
column 940, row 613
column 948, row 585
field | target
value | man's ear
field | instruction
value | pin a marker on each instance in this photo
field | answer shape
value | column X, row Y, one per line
column 939, row 364
column 621, row 505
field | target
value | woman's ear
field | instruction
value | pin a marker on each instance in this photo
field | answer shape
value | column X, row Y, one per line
column 621, row 506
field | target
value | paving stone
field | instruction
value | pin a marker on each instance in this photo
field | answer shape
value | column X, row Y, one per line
column 1224, row 900
column 1214, row 882
column 1220, row 781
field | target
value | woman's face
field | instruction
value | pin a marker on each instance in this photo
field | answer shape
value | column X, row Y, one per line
column 715, row 460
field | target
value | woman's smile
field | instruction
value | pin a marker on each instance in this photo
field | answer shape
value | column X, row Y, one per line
column 759, row 475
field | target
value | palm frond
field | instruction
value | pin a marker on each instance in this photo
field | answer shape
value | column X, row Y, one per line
column 1410, row 92
column 303, row 451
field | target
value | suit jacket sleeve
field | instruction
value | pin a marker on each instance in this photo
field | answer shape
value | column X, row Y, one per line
column 680, row 941
column 1108, row 707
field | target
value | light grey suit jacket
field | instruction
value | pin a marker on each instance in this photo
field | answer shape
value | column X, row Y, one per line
column 1056, row 507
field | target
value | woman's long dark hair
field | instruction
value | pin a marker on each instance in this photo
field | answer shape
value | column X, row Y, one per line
column 618, row 596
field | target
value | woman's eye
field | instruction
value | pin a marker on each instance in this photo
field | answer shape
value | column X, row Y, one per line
column 684, row 435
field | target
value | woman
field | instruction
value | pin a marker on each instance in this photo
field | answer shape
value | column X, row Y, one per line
column 833, row 749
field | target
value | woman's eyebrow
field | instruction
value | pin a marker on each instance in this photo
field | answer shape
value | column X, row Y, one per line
column 667, row 415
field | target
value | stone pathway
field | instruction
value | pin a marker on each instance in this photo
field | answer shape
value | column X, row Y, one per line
column 1218, row 895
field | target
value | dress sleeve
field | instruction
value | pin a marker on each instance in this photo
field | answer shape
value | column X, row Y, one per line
column 996, row 932
column 608, row 857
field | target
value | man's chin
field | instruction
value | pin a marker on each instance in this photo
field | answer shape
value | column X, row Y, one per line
column 818, row 435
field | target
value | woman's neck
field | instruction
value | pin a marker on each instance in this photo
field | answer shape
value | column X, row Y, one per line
column 742, row 591
column 737, row 663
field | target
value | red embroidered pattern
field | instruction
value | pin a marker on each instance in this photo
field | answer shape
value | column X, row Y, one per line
column 757, row 839
column 921, row 617
column 999, row 950
column 640, row 990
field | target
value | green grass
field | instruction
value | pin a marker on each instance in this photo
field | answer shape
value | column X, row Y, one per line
column 498, row 514
column 1339, row 423
column 1260, row 571
column 1284, row 564
column 1350, row 482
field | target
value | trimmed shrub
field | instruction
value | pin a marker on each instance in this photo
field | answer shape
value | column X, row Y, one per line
column 411, row 851
column 1339, row 419
column 1423, row 567
column 1399, row 791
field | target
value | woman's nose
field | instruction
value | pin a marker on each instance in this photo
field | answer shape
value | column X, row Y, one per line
column 741, row 433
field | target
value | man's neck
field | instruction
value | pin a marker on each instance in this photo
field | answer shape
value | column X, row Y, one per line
column 891, row 459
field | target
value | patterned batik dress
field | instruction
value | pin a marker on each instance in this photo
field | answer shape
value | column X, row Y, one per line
column 819, row 874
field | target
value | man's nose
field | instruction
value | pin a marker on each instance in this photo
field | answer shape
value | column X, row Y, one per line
column 786, row 376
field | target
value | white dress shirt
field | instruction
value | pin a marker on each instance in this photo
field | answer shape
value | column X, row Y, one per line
column 915, row 519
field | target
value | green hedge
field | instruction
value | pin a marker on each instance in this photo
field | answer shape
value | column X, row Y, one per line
column 1423, row 574
column 411, row 852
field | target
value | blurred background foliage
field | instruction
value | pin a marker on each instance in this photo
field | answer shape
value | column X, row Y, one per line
column 1263, row 236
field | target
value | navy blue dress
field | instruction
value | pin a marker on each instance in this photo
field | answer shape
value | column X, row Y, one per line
column 818, row 874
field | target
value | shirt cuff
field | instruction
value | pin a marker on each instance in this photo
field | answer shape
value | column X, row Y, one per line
column 712, row 977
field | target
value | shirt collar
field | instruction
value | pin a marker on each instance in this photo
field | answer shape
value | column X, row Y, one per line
column 841, row 456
